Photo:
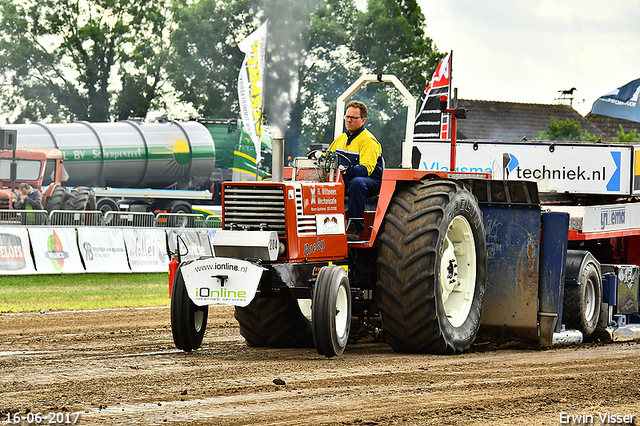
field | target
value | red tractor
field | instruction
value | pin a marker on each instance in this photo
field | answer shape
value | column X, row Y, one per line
column 43, row 169
column 284, row 261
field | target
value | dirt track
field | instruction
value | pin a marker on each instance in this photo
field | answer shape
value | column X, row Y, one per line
column 120, row 367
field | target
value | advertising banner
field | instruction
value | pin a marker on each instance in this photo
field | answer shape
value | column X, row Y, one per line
column 192, row 244
column 15, row 254
column 55, row 250
column 559, row 167
column 103, row 250
column 147, row 250
column 251, row 84
column 212, row 236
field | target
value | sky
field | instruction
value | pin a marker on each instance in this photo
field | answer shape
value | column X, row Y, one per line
column 529, row 50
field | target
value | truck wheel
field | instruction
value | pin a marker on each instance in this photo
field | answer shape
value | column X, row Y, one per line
column 432, row 268
column 581, row 304
column 188, row 321
column 81, row 198
column 105, row 205
column 331, row 308
column 178, row 221
column 58, row 199
column 274, row 322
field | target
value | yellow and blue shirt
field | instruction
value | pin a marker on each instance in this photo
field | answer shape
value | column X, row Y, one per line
column 363, row 150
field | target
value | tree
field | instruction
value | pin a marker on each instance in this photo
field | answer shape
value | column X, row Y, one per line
column 316, row 49
column 626, row 137
column 567, row 130
column 205, row 59
column 59, row 58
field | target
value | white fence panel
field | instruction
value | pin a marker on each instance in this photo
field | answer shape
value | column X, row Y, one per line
column 15, row 252
column 55, row 251
column 147, row 250
column 103, row 250
column 193, row 244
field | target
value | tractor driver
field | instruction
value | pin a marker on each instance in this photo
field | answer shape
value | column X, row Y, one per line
column 363, row 175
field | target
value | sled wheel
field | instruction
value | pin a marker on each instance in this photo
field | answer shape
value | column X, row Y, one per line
column 331, row 311
column 432, row 266
column 188, row 321
column 581, row 305
column 275, row 322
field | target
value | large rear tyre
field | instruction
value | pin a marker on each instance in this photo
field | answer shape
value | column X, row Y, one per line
column 432, row 265
column 188, row 321
column 331, row 308
column 275, row 322
column 81, row 198
column 581, row 303
column 58, row 199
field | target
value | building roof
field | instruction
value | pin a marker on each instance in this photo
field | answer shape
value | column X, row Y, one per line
column 610, row 126
column 493, row 120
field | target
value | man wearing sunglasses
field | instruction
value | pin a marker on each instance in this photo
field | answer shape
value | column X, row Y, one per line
column 363, row 173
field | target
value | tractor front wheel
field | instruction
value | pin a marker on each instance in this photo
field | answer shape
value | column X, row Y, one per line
column 331, row 311
column 188, row 321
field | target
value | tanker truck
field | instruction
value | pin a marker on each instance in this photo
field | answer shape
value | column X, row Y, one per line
column 164, row 165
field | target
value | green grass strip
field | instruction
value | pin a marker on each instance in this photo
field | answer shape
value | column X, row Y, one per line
column 28, row 293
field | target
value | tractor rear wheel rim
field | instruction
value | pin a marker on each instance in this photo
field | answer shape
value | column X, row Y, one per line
column 458, row 271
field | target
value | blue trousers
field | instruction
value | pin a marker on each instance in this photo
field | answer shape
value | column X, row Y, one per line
column 358, row 190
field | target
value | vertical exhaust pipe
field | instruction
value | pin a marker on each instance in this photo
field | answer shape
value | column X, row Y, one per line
column 277, row 163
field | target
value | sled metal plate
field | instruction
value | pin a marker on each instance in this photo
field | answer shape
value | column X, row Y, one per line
column 247, row 244
column 513, row 242
column 220, row 280
column 553, row 255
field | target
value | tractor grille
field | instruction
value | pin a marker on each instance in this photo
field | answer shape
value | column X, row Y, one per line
column 306, row 223
column 254, row 208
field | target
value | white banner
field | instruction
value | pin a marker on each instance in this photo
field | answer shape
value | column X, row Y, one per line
column 55, row 250
column 147, row 250
column 212, row 236
column 571, row 167
column 192, row 244
column 15, row 253
column 251, row 84
column 103, row 250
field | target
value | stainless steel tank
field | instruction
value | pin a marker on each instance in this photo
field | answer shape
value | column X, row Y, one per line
column 127, row 154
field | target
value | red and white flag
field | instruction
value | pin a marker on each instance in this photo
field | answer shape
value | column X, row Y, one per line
column 430, row 122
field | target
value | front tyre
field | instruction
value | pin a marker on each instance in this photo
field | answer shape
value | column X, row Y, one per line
column 188, row 321
column 331, row 311
column 432, row 265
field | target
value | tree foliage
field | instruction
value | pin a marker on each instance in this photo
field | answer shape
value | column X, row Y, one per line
column 316, row 49
column 205, row 59
column 97, row 60
column 626, row 137
column 60, row 59
column 567, row 130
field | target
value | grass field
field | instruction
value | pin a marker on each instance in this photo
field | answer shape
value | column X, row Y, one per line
column 26, row 293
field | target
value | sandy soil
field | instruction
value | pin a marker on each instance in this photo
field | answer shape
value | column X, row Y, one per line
column 121, row 367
